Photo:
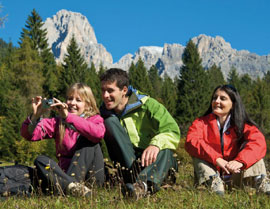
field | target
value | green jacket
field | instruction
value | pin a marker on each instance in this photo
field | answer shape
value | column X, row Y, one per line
column 149, row 123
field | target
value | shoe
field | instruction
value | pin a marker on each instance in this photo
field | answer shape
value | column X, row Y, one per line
column 262, row 184
column 79, row 190
column 137, row 190
column 217, row 185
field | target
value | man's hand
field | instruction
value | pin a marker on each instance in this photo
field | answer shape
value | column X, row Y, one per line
column 149, row 155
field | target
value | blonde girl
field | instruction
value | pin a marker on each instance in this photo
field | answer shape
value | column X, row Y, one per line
column 77, row 131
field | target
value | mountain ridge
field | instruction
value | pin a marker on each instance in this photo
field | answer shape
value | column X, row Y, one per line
column 168, row 59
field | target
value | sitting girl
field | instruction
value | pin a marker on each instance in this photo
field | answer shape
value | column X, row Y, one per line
column 77, row 132
column 226, row 143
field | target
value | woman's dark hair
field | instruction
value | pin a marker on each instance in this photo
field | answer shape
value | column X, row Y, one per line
column 238, row 113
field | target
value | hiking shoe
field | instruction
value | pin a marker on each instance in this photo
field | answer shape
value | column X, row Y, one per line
column 217, row 185
column 262, row 184
column 79, row 190
column 137, row 190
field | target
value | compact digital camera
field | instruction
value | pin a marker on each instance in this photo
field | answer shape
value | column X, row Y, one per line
column 46, row 103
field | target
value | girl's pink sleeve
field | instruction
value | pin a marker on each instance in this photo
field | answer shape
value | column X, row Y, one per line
column 92, row 128
column 44, row 129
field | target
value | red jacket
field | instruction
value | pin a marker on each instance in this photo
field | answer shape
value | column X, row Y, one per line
column 203, row 142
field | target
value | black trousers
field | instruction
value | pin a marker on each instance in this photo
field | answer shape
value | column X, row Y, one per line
column 121, row 151
column 87, row 165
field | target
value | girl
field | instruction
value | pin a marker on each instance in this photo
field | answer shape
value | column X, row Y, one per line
column 226, row 143
column 77, row 133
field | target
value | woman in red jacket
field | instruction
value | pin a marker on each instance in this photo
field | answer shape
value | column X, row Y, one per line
column 225, row 144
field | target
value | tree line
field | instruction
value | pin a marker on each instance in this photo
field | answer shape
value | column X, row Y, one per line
column 30, row 69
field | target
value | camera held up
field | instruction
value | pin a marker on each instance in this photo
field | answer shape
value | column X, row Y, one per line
column 46, row 103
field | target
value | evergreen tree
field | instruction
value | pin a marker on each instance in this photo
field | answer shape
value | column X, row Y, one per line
column 28, row 70
column 193, row 88
column 156, row 82
column 260, row 108
column 101, row 70
column 74, row 67
column 234, row 79
column 169, row 94
column 245, row 90
column 138, row 77
column 92, row 79
column 33, row 30
column 215, row 76
column 24, row 82
column 11, row 123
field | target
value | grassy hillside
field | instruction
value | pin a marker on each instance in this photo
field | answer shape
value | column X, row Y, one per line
column 181, row 195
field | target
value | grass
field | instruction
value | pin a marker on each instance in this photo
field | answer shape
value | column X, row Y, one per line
column 182, row 195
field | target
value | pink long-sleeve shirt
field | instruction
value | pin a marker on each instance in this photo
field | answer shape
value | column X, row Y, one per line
column 91, row 128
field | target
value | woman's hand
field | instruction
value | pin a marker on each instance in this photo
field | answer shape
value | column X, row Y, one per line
column 222, row 164
column 60, row 107
column 37, row 108
column 234, row 166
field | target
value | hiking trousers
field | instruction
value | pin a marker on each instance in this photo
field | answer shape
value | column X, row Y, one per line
column 127, row 157
column 87, row 165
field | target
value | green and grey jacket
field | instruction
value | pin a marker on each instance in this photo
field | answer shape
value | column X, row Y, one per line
column 147, row 122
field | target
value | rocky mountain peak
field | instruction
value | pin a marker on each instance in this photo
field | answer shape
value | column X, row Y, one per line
column 168, row 59
column 60, row 29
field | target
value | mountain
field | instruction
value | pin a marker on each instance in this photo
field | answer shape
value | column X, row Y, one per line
column 60, row 29
column 168, row 59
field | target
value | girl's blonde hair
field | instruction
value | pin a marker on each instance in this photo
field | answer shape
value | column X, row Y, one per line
column 86, row 96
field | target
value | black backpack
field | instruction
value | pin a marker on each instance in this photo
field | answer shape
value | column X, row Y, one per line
column 15, row 180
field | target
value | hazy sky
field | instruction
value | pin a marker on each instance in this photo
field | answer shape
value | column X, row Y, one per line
column 122, row 26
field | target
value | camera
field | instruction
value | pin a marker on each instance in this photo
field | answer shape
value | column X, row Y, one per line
column 46, row 103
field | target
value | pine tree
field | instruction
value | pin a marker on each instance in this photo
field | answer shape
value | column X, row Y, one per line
column 27, row 70
column 260, row 108
column 92, row 80
column 24, row 82
column 245, row 90
column 156, row 82
column 38, row 36
column 74, row 67
column 215, row 76
column 33, row 29
column 169, row 94
column 193, row 88
column 234, row 79
column 11, row 123
column 138, row 77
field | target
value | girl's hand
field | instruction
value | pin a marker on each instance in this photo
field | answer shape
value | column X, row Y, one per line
column 37, row 108
column 60, row 107
column 222, row 164
column 234, row 166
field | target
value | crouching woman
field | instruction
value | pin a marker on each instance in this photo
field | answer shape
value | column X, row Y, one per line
column 226, row 145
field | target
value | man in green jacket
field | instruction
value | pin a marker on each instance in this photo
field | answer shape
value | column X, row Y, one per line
column 140, row 135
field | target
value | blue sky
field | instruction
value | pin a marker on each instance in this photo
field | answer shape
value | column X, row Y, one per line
column 122, row 26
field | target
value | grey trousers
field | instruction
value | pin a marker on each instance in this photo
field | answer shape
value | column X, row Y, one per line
column 203, row 170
